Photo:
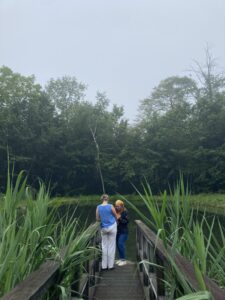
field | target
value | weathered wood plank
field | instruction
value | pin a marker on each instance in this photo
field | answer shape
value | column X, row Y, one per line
column 36, row 284
column 122, row 283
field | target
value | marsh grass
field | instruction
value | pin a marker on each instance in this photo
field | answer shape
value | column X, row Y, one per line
column 32, row 233
column 214, row 203
column 87, row 200
column 204, row 295
column 185, row 231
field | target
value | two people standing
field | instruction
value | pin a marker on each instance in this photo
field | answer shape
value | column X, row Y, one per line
column 113, row 231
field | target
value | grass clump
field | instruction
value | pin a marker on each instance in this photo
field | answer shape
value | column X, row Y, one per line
column 186, row 231
column 32, row 233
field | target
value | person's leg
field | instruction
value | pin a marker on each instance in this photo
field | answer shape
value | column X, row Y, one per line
column 104, row 236
column 121, row 245
column 117, row 238
column 112, row 245
column 118, row 244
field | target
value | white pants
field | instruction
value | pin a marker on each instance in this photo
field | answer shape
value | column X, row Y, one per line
column 108, row 246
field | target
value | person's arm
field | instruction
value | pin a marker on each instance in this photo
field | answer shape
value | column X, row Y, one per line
column 114, row 212
column 97, row 215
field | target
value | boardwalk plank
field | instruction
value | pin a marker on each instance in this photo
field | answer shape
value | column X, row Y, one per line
column 122, row 283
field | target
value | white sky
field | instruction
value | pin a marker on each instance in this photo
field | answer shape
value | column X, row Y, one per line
column 122, row 47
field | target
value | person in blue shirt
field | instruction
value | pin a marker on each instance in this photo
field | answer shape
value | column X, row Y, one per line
column 106, row 214
column 122, row 231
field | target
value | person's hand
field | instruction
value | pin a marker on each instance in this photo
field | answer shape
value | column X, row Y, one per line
column 118, row 216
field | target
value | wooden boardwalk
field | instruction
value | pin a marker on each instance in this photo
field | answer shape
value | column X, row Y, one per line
column 122, row 283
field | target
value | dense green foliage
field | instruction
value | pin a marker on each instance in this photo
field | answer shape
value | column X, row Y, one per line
column 49, row 132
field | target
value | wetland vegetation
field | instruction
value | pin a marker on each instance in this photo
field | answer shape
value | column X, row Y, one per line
column 83, row 148
column 32, row 233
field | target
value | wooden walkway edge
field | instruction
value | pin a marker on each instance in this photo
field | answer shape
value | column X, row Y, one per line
column 122, row 283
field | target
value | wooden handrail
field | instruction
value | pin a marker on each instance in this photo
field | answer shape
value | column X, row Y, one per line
column 40, row 281
column 36, row 284
column 181, row 262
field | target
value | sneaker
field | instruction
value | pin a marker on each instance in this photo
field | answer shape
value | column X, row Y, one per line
column 122, row 263
column 117, row 261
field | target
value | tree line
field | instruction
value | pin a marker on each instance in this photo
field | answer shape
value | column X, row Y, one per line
column 56, row 135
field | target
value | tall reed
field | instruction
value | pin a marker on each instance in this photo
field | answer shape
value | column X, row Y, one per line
column 31, row 233
column 185, row 231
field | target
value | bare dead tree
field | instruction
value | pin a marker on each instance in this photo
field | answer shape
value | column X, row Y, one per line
column 207, row 76
column 93, row 132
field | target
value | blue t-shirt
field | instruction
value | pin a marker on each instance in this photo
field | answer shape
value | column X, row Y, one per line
column 106, row 215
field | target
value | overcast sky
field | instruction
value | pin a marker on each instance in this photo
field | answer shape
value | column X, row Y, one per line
column 122, row 47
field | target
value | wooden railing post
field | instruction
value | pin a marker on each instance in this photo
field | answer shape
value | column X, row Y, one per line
column 160, row 275
column 92, row 270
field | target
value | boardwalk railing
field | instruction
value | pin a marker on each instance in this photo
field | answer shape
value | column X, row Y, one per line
column 151, row 249
column 44, row 279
